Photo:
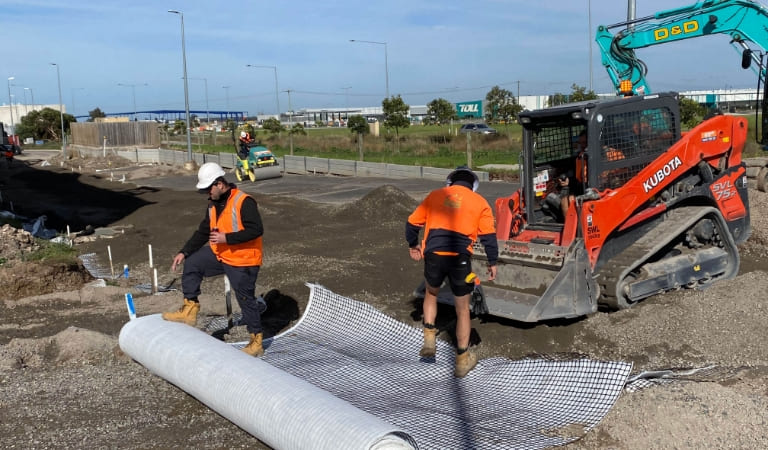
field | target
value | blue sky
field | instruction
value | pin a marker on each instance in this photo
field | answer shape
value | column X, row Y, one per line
column 435, row 48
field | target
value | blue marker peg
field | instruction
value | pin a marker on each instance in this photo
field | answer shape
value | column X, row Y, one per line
column 129, row 303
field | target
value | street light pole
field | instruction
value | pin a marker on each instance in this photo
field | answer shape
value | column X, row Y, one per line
column 74, row 111
column 25, row 101
column 277, row 96
column 133, row 91
column 290, row 121
column 226, row 90
column 346, row 99
column 386, row 63
column 186, row 89
column 33, row 97
column 10, row 103
column 61, row 113
column 207, row 110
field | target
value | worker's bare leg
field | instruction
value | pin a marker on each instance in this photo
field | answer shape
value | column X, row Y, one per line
column 463, row 321
column 465, row 359
column 430, row 304
column 429, row 348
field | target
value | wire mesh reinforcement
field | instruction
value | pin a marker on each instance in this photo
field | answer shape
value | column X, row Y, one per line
column 370, row 360
column 90, row 263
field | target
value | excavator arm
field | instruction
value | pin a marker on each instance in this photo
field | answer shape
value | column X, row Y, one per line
column 744, row 21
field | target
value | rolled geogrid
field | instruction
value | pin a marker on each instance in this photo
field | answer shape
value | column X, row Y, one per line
column 279, row 409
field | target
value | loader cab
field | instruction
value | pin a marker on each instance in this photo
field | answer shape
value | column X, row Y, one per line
column 623, row 135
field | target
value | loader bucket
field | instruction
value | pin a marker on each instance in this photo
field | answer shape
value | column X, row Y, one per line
column 536, row 282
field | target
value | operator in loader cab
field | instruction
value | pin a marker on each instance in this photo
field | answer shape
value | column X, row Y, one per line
column 453, row 218
column 232, row 227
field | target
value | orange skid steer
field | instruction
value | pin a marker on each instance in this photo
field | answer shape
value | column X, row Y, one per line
column 668, row 212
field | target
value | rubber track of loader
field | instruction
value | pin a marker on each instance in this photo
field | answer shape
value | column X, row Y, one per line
column 634, row 255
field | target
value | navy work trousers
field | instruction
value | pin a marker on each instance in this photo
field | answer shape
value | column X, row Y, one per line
column 203, row 263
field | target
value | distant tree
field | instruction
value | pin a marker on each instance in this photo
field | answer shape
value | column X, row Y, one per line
column 557, row 99
column 96, row 113
column 499, row 103
column 248, row 128
column 273, row 126
column 396, row 113
column 359, row 127
column 179, row 127
column 297, row 128
column 691, row 112
column 43, row 124
column 441, row 110
column 578, row 94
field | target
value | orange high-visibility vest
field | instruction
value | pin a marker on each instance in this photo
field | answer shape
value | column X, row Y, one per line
column 244, row 254
column 581, row 168
column 453, row 217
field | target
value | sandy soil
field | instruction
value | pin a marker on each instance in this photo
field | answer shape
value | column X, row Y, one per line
column 64, row 382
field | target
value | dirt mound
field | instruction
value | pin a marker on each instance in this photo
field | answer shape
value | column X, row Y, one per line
column 87, row 164
column 113, row 167
column 384, row 205
column 21, row 278
column 24, row 279
column 14, row 243
column 71, row 346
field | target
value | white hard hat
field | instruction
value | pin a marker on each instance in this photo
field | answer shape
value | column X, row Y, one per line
column 463, row 173
column 242, row 134
column 207, row 174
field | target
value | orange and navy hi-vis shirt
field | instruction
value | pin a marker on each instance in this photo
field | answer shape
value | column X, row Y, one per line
column 248, row 253
column 581, row 168
column 453, row 217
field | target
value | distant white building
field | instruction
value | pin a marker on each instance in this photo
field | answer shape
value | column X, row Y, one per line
column 724, row 99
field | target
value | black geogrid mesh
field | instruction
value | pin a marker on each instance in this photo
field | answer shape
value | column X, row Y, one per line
column 370, row 360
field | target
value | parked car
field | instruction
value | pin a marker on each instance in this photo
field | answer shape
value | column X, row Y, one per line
column 477, row 128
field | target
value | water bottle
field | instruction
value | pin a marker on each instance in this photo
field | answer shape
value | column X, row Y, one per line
column 125, row 271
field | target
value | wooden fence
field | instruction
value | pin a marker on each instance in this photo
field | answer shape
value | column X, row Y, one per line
column 118, row 134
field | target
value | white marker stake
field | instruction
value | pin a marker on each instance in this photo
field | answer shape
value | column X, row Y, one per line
column 154, row 281
column 150, row 256
column 129, row 304
column 111, row 267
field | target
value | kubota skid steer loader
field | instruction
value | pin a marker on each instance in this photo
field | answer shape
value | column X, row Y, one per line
column 648, row 210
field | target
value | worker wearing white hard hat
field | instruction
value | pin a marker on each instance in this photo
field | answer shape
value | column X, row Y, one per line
column 232, row 226
column 244, row 147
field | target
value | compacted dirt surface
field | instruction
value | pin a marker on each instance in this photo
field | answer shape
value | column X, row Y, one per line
column 64, row 383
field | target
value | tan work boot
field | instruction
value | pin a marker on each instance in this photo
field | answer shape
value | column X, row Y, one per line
column 186, row 314
column 430, row 346
column 254, row 347
column 464, row 363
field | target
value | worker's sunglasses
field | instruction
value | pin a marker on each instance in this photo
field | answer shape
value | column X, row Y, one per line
column 208, row 189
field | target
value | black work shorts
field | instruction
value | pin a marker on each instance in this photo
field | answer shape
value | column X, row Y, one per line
column 456, row 268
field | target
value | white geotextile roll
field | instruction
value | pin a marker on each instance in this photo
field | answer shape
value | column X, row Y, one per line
column 279, row 409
